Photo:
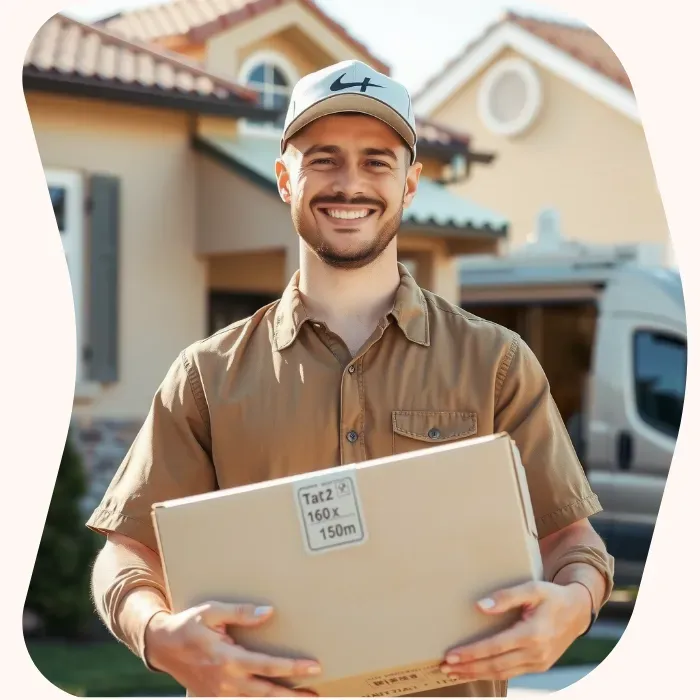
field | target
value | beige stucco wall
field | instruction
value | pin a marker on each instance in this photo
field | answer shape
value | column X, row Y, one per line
column 302, row 58
column 162, row 283
column 237, row 215
column 581, row 156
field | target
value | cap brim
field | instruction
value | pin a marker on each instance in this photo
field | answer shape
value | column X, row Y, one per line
column 352, row 102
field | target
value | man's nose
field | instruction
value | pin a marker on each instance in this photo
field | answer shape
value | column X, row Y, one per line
column 349, row 180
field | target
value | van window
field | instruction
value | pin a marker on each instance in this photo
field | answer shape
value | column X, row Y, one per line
column 659, row 376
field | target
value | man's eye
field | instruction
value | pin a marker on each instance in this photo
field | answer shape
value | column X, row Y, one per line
column 322, row 161
column 378, row 164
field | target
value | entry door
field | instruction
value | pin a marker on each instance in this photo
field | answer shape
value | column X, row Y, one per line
column 226, row 308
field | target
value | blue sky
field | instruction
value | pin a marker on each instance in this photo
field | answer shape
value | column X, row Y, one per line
column 415, row 37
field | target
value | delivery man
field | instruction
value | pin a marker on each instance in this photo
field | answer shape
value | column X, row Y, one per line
column 311, row 381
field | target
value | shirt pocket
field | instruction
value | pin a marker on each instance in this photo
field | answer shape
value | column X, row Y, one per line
column 417, row 430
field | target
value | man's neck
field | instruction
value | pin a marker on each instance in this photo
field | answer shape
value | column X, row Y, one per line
column 350, row 302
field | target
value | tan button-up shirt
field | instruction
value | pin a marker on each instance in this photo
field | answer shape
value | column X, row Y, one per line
column 279, row 394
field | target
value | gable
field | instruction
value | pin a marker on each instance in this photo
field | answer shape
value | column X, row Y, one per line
column 293, row 51
column 537, row 50
column 184, row 24
column 291, row 24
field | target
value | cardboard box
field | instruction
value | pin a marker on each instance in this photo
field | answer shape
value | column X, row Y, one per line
column 374, row 569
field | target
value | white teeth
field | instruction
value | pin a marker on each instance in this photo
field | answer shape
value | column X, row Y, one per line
column 345, row 214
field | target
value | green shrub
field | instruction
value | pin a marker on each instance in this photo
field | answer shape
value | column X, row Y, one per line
column 59, row 591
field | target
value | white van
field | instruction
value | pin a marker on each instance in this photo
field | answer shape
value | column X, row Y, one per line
column 609, row 328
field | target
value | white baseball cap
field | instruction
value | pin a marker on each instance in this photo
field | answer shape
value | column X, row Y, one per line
column 351, row 86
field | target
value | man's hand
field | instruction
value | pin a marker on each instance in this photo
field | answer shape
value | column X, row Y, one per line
column 553, row 616
column 194, row 648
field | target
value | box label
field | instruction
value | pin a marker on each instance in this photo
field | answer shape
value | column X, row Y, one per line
column 408, row 680
column 402, row 680
column 330, row 512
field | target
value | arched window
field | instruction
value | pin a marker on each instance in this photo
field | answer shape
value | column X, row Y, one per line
column 272, row 77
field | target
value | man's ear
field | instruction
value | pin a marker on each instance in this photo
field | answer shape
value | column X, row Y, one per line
column 282, row 174
column 412, row 178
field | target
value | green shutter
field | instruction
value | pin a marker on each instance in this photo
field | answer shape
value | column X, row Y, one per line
column 103, row 271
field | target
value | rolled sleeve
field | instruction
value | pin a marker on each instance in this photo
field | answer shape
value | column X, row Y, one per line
column 525, row 409
column 170, row 458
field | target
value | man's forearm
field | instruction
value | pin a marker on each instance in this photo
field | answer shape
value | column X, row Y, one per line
column 128, row 589
column 587, row 576
column 577, row 555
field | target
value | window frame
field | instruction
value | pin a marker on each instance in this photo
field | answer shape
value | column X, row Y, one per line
column 286, row 67
column 665, row 335
column 73, row 243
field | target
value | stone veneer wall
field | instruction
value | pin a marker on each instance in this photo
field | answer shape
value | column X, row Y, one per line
column 102, row 444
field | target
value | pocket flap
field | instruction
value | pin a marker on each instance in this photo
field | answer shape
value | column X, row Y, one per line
column 434, row 426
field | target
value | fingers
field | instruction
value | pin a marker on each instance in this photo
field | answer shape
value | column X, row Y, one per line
column 501, row 667
column 215, row 614
column 526, row 595
column 510, row 640
column 256, row 664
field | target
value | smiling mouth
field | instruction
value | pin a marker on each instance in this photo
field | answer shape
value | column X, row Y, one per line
column 359, row 214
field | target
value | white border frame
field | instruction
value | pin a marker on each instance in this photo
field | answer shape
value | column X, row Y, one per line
column 533, row 97
column 539, row 52
column 290, row 72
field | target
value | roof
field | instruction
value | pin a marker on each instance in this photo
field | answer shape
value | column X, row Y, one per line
column 443, row 144
column 434, row 206
column 199, row 19
column 579, row 41
column 69, row 56
column 573, row 51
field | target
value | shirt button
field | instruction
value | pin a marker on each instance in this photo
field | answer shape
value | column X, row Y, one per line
column 351, row 369
column 433, row 433
column 352, row 436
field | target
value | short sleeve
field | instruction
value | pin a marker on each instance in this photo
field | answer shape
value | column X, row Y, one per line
column 170, row 458
column 559, row 489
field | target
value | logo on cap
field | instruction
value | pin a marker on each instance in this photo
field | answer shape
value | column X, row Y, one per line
column 338, row 84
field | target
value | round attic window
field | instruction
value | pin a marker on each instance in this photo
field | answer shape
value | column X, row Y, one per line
column 510, row 97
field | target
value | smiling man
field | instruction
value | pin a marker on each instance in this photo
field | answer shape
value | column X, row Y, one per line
column 234, row 409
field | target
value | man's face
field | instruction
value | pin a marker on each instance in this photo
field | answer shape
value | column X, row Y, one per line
column 347, row 178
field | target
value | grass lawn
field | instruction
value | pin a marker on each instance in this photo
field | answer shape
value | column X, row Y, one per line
column 110, row 670
column 102, row 669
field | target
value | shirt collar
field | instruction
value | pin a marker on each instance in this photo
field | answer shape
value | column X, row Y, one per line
column 410, row 311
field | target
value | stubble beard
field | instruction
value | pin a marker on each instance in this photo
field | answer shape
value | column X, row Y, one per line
column 309, row 233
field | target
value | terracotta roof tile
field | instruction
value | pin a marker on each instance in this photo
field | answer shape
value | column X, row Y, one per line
column 66, row 48
column 579, row 41
column 199, row 19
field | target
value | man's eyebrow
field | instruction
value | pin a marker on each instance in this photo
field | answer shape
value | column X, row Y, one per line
column 380, row 152
column 328, row 148
column 321, row 148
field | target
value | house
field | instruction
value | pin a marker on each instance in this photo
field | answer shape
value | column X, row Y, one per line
column 160, row 171
column 557, row 105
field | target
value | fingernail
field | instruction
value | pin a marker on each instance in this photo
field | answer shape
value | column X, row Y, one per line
column 452, row 659
column 487, row 603
column 262, row 610
column 312, row 668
